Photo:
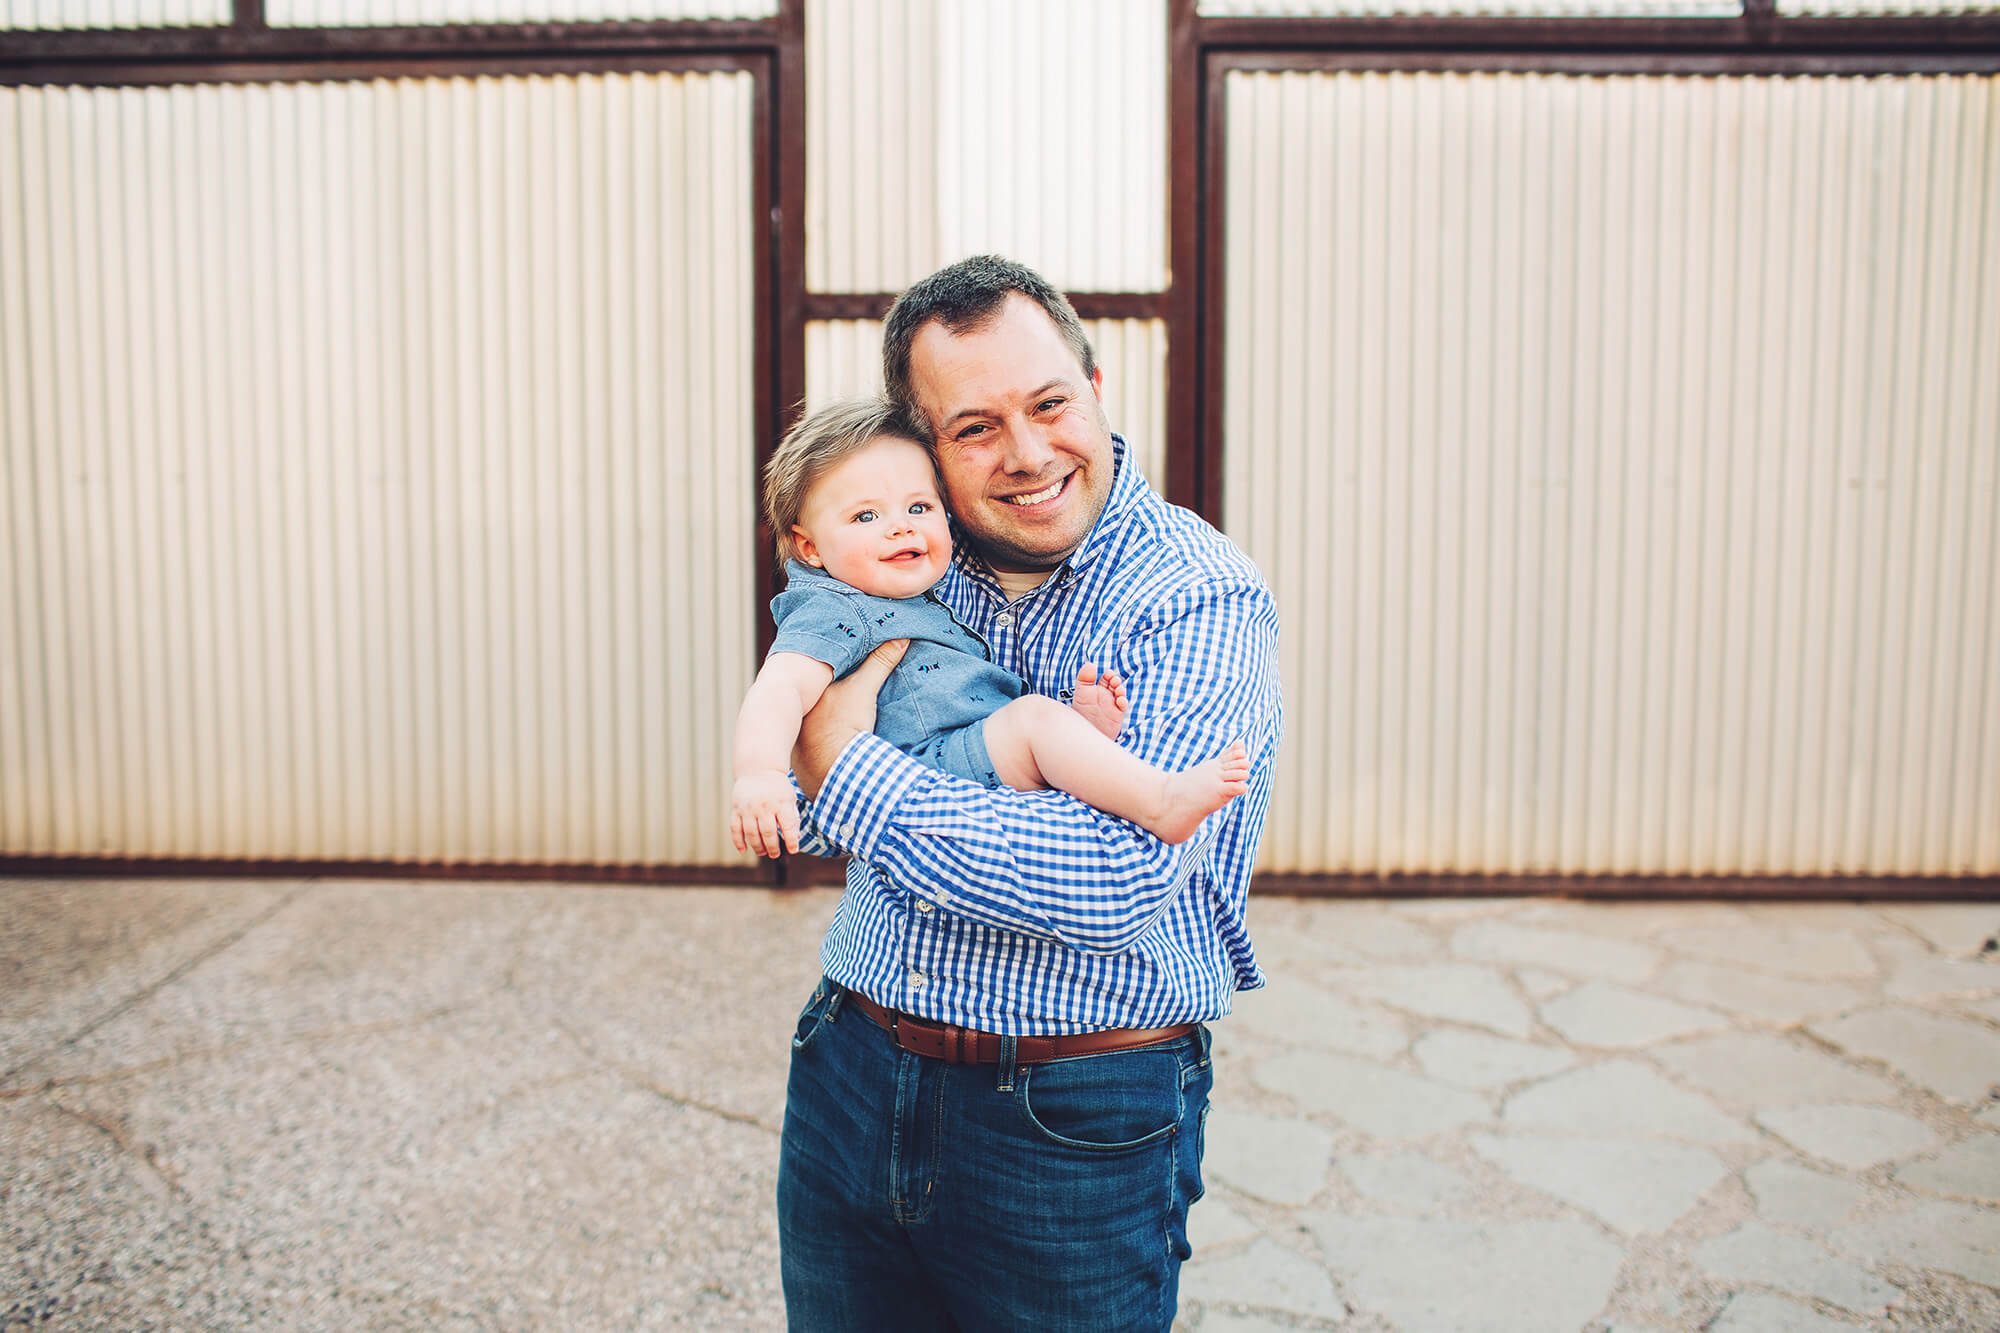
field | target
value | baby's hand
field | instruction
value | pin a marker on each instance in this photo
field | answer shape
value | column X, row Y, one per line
column 766, row 815
column 1101, row 700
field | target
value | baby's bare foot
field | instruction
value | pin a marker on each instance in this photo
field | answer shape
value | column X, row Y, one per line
column 1190, row 796
column 1101, row 700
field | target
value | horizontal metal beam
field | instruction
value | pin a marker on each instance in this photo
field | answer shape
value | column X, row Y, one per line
column 758, row 876
column 1734, row 888
column 1937, row 34
column 1089, row 305
column 152, row 46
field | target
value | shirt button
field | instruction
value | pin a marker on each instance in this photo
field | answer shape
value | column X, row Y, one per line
column 917, row 980
column 943, row 895
column 923, row 906
column 1004, row 619
column 847, row 830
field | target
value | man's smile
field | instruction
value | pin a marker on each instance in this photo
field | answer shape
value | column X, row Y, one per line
column 1047, row 493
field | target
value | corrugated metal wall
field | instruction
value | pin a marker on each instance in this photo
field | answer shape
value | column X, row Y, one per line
column 918, row 155
column 59, row 14
column 1625, row 453
column 845, row 357
column 376, row 461
column 414, row 13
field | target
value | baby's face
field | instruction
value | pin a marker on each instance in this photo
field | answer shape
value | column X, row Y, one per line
column 876, row 522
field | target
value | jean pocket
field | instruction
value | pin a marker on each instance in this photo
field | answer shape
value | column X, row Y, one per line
column 812, row 1017
column 1105, row 1103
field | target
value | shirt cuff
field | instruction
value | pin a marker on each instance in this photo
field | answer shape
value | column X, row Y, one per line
column 866, row 784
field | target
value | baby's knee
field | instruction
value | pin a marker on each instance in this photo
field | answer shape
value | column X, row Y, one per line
column 1036, row 707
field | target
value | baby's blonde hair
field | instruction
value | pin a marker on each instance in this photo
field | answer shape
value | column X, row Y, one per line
column 819, row 442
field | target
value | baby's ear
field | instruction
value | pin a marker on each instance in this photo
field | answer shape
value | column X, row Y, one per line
column 802, row 542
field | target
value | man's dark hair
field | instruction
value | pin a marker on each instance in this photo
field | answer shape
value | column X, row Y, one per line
column 966, row 296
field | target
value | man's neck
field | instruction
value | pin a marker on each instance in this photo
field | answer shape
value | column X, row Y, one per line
column 1019, row 584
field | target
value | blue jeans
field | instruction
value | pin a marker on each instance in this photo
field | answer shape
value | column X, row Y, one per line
column 913, row 1194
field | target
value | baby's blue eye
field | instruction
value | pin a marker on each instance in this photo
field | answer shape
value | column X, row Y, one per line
column 865, row 516
column 921, row 507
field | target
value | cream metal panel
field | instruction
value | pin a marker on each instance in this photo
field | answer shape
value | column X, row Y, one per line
column 420, row 13
column 845, row 357
column 1471, row 8
column 376, row 463
column 19, row 15
column 1625, row 454
column 917, row 155
column 1879, row 8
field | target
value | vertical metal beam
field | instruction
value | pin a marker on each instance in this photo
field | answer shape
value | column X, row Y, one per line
column 1185, row 186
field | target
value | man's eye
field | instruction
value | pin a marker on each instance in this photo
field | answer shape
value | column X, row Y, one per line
column 1048, row 404
column 865, row 516
column 971, row 432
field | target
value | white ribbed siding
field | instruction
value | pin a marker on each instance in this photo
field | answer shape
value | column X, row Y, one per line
column 1878, row 8
column 376, row 462
column 18, row 15
column 844, row 357
column 918, row 155
column 421, row 13
column 1625, row 454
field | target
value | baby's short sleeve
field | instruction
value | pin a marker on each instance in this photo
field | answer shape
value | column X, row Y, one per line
column 823, row 624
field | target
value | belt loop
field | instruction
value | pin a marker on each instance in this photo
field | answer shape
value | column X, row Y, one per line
column 833, row 1005
column 1203, row 1037
column 1007, row 1045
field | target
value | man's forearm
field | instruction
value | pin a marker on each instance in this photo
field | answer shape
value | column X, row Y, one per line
column 1034, row 863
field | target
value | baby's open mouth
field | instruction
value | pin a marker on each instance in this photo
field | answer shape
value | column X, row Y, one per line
column 1048, row 492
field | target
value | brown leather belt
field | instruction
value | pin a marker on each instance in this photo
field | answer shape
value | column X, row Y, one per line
column 968, row 1046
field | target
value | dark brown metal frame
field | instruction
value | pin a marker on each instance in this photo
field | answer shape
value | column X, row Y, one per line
column 1758, row 42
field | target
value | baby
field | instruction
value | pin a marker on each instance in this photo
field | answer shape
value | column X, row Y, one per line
column 852, row 498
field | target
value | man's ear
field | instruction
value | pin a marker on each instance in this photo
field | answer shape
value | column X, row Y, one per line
column 1097, row 382
column 802, row 542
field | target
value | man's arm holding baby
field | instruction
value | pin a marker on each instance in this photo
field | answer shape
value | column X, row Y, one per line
column 1199, row 673
column 764, row 816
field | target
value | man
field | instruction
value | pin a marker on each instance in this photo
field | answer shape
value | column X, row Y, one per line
column 996, row 1100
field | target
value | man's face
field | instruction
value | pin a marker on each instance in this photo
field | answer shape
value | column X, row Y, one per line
column 1021, row 436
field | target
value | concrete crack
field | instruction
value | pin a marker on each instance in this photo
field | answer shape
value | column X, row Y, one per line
column 311, row 1037
column 121, row 1138
column 146, row 992
column 636, row 1079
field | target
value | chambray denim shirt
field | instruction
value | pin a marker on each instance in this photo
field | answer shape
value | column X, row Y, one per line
column 1032, row 912
column 945, row 681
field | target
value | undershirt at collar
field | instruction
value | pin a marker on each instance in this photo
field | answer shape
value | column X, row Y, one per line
column 1017, row 586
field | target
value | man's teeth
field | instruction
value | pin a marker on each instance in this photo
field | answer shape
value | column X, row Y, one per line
column 1036, row 497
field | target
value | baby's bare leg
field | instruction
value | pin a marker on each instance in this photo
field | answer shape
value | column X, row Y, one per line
column 1036, row 743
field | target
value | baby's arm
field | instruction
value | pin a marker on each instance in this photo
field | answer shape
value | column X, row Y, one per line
column 764, row 816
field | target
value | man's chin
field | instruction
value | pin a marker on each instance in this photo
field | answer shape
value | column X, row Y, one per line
column 1024, row 551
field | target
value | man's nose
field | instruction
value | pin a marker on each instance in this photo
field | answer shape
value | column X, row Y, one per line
column 1026, row 450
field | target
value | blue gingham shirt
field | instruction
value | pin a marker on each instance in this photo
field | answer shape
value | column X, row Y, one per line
column 1031, row 912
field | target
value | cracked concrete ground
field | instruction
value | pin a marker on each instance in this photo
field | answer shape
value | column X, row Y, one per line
column 332, row 1104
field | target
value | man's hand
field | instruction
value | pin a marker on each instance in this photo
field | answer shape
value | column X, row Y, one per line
column 845, row 711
